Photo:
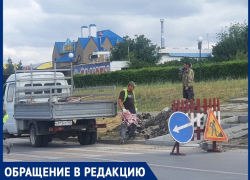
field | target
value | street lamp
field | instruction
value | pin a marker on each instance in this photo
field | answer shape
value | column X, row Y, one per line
column 200, row 39
column 71, row 56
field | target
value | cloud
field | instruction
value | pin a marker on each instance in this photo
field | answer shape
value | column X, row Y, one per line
column 31, row 27
column 28, row 55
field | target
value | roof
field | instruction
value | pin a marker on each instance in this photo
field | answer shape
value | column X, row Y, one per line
column 67, row 42
column 84, row 42
column 59, row 45
column 113, row 41
column 113, row 37
column 46, row 65
column 97, row 41
column 27, row 75
column 92, row 25
column 192, row 55
column 65, row 58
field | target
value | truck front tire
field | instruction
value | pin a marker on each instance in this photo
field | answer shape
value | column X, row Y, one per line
column 35, row 140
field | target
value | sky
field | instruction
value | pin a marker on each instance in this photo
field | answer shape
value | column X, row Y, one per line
column 31, row 27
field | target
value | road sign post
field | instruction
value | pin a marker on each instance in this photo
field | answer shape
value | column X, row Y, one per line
column 181, row 128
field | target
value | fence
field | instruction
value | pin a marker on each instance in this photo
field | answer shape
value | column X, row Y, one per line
column 201, row 110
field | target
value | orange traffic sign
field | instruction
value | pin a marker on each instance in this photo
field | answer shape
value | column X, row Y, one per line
column 213, row 131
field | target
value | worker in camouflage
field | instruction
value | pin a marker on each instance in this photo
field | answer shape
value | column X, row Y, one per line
column 187, row 76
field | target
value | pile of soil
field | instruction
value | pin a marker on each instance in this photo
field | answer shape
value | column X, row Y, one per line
column 152, row 126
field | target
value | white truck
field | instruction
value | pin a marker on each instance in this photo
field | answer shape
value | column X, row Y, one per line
column 41, row 104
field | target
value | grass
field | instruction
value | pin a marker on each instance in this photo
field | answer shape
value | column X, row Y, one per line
column 155, row 97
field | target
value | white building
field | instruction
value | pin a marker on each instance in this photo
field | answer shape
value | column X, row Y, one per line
column 177, row 54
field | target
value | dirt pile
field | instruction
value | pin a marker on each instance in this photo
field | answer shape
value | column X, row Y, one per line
column 154, row 126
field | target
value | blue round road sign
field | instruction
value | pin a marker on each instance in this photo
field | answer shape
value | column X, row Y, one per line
column 180, row 127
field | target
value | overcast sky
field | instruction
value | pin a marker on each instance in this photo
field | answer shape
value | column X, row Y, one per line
column 31, row 27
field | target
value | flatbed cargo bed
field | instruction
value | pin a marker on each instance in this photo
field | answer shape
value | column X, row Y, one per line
column 66, row 110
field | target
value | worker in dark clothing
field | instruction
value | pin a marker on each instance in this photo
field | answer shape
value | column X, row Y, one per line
column 127, row 103
column 187, row 76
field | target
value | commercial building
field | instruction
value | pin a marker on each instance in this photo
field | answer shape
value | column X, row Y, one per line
column 92, row 47
column 177, row 54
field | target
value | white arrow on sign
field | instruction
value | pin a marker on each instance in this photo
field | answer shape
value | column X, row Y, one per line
column 177, row 129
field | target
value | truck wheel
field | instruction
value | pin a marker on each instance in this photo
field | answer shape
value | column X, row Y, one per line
column 93, row 137
column 35, row 140
column 45, row 140
column 84, row 138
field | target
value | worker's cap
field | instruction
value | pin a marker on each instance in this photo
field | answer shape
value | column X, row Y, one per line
column 189, row 64
column 131, row 83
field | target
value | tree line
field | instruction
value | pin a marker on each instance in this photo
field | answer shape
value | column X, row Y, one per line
column 142, row 53
column 10, row 67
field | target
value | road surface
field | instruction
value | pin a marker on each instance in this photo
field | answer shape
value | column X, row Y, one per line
column 196, row 165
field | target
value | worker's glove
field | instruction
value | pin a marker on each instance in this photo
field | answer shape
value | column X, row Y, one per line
column 135, row 110
column 124, row 110
column 180, row 69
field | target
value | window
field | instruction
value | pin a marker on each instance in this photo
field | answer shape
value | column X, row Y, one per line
column 35, row 92
column 52, row 84
column 4, row 87
column 10, row 92
column 79, row 58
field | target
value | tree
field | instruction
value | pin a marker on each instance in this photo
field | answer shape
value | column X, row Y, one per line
column 142, row 49
column 137, row 64
column 121, row 51
column 20, row 65
column 232, row 41
column 9, row 67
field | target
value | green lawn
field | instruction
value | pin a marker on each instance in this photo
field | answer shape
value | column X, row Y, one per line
column 155, row 97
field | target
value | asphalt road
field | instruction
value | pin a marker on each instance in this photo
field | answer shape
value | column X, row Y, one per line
column 196, row 165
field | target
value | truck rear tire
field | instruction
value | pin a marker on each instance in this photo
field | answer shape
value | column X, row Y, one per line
column 35, row 140
column 84, row 138
column 93, row 137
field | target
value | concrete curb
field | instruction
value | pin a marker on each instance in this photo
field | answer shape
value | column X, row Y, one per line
column 106, row 141
column 238, row 100
column 116, row 142
column 234, row 146
column 147, row 142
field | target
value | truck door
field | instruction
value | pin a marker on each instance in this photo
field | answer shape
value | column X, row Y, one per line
column 9, row 97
